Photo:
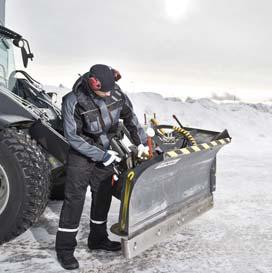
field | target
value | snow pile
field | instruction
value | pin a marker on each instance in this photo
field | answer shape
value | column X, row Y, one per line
column 249, row 124
column 61, row 90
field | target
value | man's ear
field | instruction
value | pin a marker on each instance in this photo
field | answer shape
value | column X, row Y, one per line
column 117, row 75
column 94, row 83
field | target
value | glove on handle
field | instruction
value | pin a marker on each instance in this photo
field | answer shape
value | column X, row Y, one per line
column 110, row 156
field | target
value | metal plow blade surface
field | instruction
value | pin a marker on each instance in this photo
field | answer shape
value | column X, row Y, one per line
column 161, row 195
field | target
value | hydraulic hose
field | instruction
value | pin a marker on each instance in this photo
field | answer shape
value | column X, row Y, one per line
column 179, row 130
column 156, row 123
column 185, row 133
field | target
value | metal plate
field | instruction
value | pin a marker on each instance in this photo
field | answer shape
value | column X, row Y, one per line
column 133, row 246
column 164, row 188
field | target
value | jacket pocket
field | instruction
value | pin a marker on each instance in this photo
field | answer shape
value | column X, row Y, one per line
column 92, row 122
column 94, row 127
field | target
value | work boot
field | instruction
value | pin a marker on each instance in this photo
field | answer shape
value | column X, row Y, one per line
column 98, row 238
column 68, row 261
column 106, row 244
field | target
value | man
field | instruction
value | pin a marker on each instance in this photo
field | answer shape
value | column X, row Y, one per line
column 91, row 112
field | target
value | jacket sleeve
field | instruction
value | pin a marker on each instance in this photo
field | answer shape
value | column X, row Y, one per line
column 131, row 122
column 72, row 125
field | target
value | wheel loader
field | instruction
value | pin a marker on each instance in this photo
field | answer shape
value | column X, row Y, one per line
column 158, row 193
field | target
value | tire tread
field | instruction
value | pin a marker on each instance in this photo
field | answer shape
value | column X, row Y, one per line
column 36, row 176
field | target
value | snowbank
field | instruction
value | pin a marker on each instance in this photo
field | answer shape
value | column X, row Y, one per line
column 249, row 124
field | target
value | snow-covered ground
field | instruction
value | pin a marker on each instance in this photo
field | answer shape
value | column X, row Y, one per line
column 235, row 236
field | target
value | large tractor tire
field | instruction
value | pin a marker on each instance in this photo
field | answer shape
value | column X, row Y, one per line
column 24, row 183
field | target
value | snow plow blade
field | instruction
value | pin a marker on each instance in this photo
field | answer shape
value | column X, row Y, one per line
column 163, row 193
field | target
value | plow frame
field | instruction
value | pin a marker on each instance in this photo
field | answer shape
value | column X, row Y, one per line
column 138, row 231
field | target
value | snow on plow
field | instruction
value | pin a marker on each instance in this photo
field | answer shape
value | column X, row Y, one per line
column 173, row 187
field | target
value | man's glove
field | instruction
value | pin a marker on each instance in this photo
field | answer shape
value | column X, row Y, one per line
column 143, row 151
column 110, row 156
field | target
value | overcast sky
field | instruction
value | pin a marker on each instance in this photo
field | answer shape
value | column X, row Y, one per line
column 175, row 47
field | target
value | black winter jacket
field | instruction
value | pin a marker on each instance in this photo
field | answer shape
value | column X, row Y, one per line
column 90, row 121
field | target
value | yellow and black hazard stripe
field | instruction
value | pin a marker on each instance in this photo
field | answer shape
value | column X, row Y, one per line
column 198, row 148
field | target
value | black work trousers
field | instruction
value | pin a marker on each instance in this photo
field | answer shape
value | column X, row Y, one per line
column 82, row 172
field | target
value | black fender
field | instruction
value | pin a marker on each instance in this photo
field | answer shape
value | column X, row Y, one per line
column 8, row 120
column 52, row 141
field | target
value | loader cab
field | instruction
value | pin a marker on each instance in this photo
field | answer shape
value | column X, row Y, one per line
column 23, row 88
column 7, row 64
column 10, row 41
